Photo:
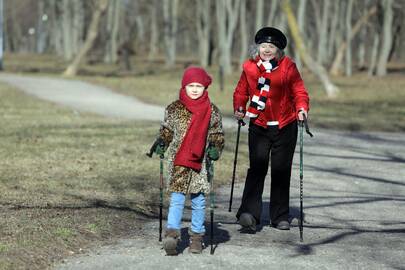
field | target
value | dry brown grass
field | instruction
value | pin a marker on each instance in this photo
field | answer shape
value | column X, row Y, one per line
column 364, row 104
column 70, row 180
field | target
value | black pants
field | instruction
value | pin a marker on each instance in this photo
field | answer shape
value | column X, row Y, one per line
column 281, row 145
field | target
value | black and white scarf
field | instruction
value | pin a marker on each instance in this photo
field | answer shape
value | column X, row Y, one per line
column 258, row 101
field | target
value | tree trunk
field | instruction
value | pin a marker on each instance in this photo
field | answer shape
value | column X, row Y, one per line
column 317, row 17
column 203, row 23
column 259, row 14
column 331, row 89
column 333, row 30
column 272, row 12
column 91, row 36
column 57, row 26
column 113, row 17
column 323, row 36
column 78, row 25
column 374, row 52
column 67, row 30
column 2, row 33
column 337, row 62
column 386, row 38
column 9, row 29
column 348, row 62
column 243, row 33
column 227, row 16
column 42, row 29
column 154, row 32
column 361, row 51
column 301, row 24
column 170, row 30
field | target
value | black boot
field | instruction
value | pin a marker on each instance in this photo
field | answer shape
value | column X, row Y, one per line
column 248, row 223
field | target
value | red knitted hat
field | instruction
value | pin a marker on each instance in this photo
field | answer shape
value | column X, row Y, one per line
column 196, row 74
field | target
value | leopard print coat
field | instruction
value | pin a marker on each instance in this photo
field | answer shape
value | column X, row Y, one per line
column 172, row 131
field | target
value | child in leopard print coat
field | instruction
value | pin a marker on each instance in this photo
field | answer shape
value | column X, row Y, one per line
column 191, row 123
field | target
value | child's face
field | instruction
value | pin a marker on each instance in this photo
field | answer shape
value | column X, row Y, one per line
column 194, row 90
column 267, row 51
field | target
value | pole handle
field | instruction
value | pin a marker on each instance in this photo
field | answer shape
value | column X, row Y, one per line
column 306, row 126
column 240, row 121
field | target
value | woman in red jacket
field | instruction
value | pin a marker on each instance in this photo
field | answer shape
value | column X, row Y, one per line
column 271, row 82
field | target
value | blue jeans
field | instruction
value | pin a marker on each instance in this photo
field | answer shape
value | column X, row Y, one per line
column 176, row 207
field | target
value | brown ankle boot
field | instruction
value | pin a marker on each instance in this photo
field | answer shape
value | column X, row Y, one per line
column 196, row 243
column 172, row 238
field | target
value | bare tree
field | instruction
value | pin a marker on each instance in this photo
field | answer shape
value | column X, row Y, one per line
column 348, row 62
column 331, row 89
column 323, row 33
column 203, row 24
column 361, row 49
column 227, row 17
column 272, row 12
column 55, row 12
column 386, row 38
column 154, row 31
column 316, row 15
column 337, row 62
column 113, row 19
column 78, row 25
column 333, row 29
column 12, row 33
column 67, row 16
column 259, row 14
column 91, row 36
column 170, row 30
column 243, row 33
column 374, row 51
column 301, row 27
column 42, row 29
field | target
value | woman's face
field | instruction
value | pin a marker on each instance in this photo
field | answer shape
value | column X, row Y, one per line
column 267, row 51
column 194, row 90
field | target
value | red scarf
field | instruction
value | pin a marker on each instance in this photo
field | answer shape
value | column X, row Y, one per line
column 191, row 151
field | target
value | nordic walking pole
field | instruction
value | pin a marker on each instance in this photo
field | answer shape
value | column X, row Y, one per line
column 240, row 123
column 210, row 175
column 152, row 149
column 301, row 125
column 161, row 194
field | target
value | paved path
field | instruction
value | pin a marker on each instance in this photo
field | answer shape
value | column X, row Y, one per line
column 354, row 199
column 87, row 97
column 83, row 96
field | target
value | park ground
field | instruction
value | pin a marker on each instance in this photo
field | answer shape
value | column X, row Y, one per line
column 68, row 181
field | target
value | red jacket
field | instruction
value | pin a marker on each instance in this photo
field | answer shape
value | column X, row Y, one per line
column 287, row 92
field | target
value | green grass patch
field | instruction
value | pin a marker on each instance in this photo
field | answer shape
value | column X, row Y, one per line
column 3, row 248
column 93, row 227
column 64, row 233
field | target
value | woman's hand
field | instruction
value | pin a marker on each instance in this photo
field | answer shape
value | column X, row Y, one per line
column 239, row 115
column 301, row 114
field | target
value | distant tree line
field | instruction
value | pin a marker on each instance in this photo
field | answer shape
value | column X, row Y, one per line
column 339, row 36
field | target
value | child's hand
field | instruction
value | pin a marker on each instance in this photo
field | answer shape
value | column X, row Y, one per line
column 160, row 149
column 213, row 153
